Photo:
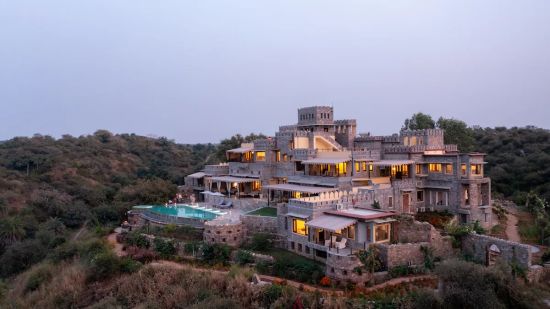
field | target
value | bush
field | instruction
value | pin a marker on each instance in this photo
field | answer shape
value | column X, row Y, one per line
column 64, row 252
column 103, row 265
column 105, row 214
column 261, row 242
column 128, row 265
column 244, row 257
column 141, row 254
column 270, row 294
column 325, row 281
column 165, row 248
column 137, row 239
column 21, row 256
column 215, row 254
column 37, row 278
column 302, row 270
column 546, row 256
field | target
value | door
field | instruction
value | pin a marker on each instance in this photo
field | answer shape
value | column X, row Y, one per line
column 406, row 203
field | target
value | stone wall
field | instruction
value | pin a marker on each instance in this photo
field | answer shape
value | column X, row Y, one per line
column 411, row 231
column 227, row 234
column 260, row 224
column 477, row 247
column 340, row 268
column 401, row 254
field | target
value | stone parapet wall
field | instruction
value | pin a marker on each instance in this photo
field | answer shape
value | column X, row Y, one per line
column 260, row 224
column 401, row 254
column 341, row 268
column 227, row 234
column 412, row 231
column 477, row 247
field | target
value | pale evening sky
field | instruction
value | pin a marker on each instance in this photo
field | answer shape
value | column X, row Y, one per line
column 199, row 71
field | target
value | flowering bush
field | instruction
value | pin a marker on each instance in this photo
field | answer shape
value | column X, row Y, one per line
column 325, row 281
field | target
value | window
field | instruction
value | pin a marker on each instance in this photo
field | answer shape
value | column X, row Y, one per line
column 299, row 227
column 419, row 169
column 357, row 167
column 434, row 167
column 260, row 155
column 285, row 157
column 463, row 169
column 412, row 141
column 475, row 169
column 277, row 156
column 364, row 166
column 390, row 201
column 382, row 232
column 371, row 168
column 420, row 196
column 448, row 169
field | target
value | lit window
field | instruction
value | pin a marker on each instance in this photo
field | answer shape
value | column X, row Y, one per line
column 364, row 165
column 277, row 156
column 260, row 155
column 382, row 232
column 435, row 167
column 448, row 169
column 463, row 169
column 475, row 169
column 371, row 168
column 357, row 167
column 299, row 227
column 418, row 169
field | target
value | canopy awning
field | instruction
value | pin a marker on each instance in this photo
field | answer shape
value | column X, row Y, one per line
column 380, row 221
column 392, row 162
column 298, row 188
column 326, row 161
column 233, row 179
column 297, row 215
column 197, row 175
column 241, row 150
column 331, row 223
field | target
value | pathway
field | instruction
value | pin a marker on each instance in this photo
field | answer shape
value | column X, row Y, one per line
column 512, row 227
column 117, row 248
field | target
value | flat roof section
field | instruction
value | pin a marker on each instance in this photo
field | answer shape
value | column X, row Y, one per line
column 364, row 214
column 331, row 223
column 298, row 188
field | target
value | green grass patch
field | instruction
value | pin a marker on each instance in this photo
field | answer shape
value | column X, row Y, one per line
column 265, row 211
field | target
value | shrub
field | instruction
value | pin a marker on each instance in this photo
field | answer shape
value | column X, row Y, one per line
column 37, row 278
column 137, row 239
column 429, row 259
column 244, row 257
column 165, row 248
column 20, row 256
column 270, row 294
column 376, row 204
column 325, row 281
column 141, row 254
column 546, row 256
column 192, row 247
column 215, row 254
column 105, row 214
column 302, row 270
column 103, row 265
column 261, row 242
column 128, row 265
column 64, row 252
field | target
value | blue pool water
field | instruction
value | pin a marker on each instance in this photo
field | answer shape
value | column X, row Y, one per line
column 184, row 211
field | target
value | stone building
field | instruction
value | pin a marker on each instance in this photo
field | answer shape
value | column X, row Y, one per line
column 337, row 191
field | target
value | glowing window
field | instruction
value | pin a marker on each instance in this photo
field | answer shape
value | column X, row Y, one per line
column 382, row 232
column 448, row 169
column 434, row 167
column 357, row 167
column 475, row 169
column 364, row 166
column 463, row 169
column 299, row 227
column 260, row 155
column 418, row 169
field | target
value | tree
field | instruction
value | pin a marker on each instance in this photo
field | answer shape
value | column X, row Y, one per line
column 370, row 259
column 419, row 121
column 11, row 230
column 457, row 132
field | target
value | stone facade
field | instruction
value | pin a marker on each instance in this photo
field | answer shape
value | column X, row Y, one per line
column 231, row 234
column 411, row 231
column 409, row 254
column 260, row 224
column 479, row 247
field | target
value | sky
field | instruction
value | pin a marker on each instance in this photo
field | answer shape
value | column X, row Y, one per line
column 200, row 71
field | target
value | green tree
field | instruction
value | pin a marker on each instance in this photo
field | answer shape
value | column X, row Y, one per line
column 419, row 121
column 11, row 230
column 457, row 132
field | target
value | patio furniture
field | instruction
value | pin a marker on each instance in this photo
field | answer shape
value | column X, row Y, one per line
column 341, row 244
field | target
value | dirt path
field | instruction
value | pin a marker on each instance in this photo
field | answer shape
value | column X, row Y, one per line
column 117, row 248
column 300, row 285
column 512, row 227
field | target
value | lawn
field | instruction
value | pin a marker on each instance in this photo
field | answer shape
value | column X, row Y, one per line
column 265, row 211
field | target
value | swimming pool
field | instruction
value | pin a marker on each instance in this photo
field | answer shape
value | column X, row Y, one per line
column 183, row 211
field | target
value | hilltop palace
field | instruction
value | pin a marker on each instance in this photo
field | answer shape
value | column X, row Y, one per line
column 336, row 191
